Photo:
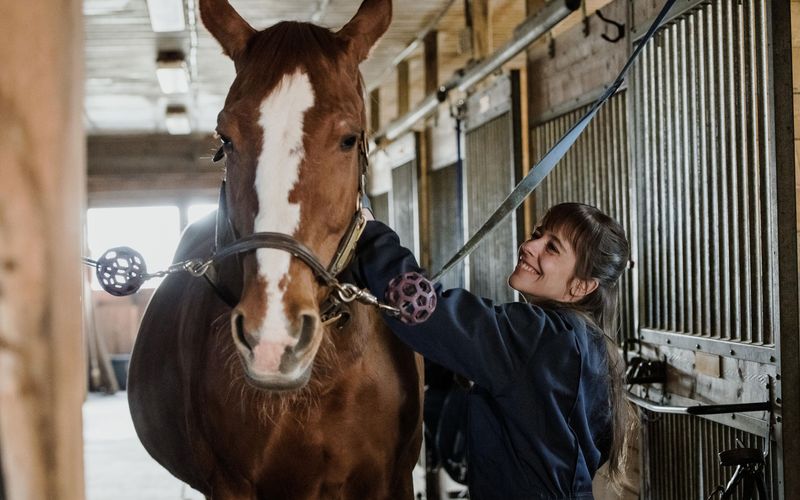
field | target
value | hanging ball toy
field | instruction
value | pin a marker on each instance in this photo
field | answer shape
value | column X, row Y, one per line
column 121, row 271
column 413, row 294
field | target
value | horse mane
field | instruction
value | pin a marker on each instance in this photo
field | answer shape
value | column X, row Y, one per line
column 288, row 44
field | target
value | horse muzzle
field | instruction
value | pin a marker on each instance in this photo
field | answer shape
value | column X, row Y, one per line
column 278, row 360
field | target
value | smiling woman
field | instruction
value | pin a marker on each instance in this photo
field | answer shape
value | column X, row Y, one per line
column 547, row 408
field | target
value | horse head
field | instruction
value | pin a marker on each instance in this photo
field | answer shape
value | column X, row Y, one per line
column 290, row 131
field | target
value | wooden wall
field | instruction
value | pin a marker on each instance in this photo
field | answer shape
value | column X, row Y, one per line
column 43, row 170
column 581, row 64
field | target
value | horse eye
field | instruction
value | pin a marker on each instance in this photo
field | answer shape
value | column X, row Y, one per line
column 348, row 142
column 225, row 140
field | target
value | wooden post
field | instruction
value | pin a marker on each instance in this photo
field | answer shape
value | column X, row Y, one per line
column 481, row 24
column 375, row 109
column 42, row 374
column 431, row 63
column 403, row 88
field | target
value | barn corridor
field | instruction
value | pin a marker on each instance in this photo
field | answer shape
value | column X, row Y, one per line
column 117, row 466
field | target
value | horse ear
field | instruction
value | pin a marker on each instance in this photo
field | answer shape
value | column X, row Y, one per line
column 226, row 25
column 367, row 26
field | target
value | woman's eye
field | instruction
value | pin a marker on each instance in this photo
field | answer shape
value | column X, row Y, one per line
column 348, row 143
column 552, row 247
column 536, row 235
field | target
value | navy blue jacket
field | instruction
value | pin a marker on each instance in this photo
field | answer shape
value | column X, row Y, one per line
column 539, row 421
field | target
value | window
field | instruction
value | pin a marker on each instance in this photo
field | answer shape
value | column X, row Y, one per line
column 197, row 211
column 152, row 231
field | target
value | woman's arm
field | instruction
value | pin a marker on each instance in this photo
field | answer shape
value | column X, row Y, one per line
column 466, row 333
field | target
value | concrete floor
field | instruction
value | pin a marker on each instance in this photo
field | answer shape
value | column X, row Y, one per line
column 117, row 466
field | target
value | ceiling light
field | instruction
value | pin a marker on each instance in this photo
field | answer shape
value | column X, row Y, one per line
column 166, row 15
column 172, row 73
column 177, row 120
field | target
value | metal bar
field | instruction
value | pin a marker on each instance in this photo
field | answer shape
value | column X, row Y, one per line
column 693, row 159
column 686, row 189
column 647, row 150
column 714, row 170
column 705, row 229
column 732, row 167
column 744, row 351
column 669, row 208
column 743, row 282
column 723, row 203
column 750, row 175
column 662, row 185
column 526, row 33
column 699, row 409
column 765, row 177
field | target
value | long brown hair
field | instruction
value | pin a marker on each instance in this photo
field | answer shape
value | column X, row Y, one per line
column 602, row 253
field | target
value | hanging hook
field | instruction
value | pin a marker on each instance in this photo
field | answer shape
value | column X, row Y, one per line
column 586, row 25
column 620, row 28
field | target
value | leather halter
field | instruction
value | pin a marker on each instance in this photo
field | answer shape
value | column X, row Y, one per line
column 227, row 243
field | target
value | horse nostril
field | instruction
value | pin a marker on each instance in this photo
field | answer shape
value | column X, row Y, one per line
column 245, row 338
column 308, row 325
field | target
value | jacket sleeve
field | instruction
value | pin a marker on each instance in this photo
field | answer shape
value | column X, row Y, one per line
column 470, row 335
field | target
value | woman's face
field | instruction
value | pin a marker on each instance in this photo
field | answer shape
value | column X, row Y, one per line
column 546, row 269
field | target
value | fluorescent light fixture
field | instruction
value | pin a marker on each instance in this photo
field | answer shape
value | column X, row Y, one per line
column 177, row 120
column 166, row 15
column 172, row 73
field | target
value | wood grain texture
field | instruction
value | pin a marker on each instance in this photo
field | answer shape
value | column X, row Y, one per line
column 43, row 170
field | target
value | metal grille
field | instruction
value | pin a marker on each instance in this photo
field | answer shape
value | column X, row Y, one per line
column 595, row 171
column 404, row 205
column 680, row 461
column 700, row 109
column 491, row 168
column 446, row 224
column 490, row 177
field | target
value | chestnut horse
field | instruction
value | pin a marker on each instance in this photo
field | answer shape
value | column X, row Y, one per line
column 258, row 398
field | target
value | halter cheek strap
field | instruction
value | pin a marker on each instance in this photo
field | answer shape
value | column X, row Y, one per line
column 347, row 245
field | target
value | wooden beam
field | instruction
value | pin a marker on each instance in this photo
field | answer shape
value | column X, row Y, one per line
column 533, row 6
column 481, row 24
column 375, row 109
column 403, row 88
column 431, row 63
column 42, row 372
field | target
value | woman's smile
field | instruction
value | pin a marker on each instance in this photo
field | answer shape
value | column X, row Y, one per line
column 528, row 267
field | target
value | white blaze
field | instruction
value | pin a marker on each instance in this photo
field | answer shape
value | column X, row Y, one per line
column 276, row 175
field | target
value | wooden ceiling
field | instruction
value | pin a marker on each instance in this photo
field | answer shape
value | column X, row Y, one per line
column 123, row 96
